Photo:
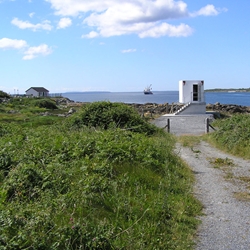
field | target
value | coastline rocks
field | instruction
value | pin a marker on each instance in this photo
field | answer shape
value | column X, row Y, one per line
column 154, row 109
column 229, row 108
column 150, row 109
column 63, row 101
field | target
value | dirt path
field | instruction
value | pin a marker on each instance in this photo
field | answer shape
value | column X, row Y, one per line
column 223, row 187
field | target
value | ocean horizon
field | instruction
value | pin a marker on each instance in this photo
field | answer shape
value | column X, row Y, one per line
column 158, row 97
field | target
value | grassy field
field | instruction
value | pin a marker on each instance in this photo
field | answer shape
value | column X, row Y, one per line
column 102, row 178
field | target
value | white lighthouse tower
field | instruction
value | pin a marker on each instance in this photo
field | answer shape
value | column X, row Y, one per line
column 191, row 93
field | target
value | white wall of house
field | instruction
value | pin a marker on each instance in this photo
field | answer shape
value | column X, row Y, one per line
column 33, row 92
column 191, row 91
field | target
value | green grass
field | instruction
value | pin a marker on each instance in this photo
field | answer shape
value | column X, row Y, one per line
column 189, row 140
column 82, row 187
column 232, row 135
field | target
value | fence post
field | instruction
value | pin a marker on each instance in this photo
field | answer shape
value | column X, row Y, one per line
column 168, row 124
column 207, row 126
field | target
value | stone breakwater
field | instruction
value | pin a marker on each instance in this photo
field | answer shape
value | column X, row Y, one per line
column 149, row 109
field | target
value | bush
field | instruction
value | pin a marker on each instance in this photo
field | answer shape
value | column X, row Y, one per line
column 45, row 103
column 4, row 95
column 23, row 182
column 106, row 115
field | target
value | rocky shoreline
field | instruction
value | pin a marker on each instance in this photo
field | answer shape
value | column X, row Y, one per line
column 150, row 109
column 154, row 109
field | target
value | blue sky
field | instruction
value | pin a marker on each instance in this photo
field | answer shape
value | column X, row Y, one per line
column 123, row 45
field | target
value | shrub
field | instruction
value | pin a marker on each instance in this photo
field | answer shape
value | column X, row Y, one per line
column 106, row 115
column 45, row 103
column 4, row 95
column 24, row 182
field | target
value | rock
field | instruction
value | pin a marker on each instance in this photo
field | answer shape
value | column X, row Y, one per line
column 71, row 111
column 13, row 112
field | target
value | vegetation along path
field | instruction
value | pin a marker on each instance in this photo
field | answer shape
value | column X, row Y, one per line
column 222, row 185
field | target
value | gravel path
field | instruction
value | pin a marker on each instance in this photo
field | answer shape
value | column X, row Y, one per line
column 225, row 193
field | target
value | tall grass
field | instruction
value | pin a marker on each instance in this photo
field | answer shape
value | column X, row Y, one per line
column 64, row 187
column 233, row 134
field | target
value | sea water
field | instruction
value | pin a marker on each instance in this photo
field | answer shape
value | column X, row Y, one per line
column 159, row 97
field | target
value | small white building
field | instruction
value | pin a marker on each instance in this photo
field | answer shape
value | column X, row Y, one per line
column 37, row 92
column 191, row 91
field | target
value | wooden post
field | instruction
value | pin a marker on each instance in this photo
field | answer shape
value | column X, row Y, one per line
column 207, row 126
column 168, row 124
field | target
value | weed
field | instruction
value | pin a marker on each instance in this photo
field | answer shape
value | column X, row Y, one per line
column 229, row 176
column 197, row 151
column 244, row 178
column 189, row 141
column 242, row 196
column 220, row 162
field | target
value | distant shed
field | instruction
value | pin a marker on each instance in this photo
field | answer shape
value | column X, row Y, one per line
column 37, row 91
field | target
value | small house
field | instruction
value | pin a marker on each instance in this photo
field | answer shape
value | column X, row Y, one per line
column 37, row 92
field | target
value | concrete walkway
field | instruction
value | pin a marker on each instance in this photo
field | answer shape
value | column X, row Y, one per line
column 184, row 124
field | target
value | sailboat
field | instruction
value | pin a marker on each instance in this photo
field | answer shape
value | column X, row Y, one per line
column 148, row 90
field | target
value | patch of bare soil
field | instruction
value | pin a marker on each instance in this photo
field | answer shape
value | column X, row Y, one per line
column 223, row 187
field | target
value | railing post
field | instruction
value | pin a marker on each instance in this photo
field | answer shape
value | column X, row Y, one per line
column 207, row 125
column 168, row 124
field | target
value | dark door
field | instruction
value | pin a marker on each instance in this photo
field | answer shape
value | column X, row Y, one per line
column 195, row 92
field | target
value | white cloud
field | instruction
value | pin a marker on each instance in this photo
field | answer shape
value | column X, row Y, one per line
column 91, row 34
column 45, row 25
column 31, row 14
column 145, row 18
column 74, row 7
column 33, row 52
column 166, row 29
column 64, row 23
column 29, row 52
column 128, row 50
column 208, row 10
column 7, row 43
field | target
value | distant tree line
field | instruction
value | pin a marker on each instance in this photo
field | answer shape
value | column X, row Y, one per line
column 230, row 89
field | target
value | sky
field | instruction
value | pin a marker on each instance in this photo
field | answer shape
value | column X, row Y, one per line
column 123, row 45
